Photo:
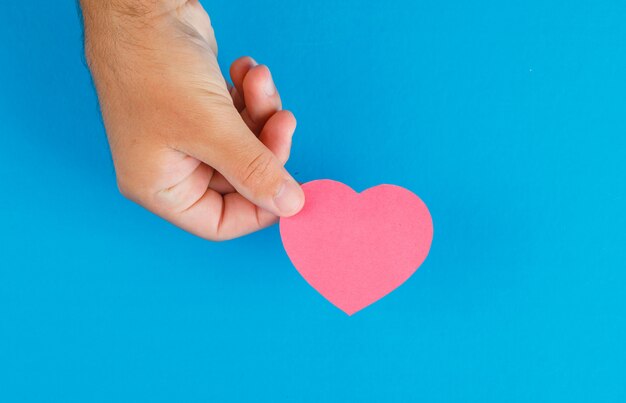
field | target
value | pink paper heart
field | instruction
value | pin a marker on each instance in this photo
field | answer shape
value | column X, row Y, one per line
column 356, row 248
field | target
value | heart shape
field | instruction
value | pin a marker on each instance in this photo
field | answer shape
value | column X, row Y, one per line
column 355, row 248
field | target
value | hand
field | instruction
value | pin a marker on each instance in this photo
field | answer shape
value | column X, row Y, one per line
column 184, row 146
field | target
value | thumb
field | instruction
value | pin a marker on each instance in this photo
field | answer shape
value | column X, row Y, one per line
column 253, row 170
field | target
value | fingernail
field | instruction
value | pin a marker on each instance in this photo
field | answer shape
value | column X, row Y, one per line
column 289, row 199
column 269, row 88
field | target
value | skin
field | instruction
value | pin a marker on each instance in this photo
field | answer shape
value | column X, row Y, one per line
column 204, row 155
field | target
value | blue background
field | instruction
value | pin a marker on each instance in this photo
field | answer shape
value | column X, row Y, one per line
column 507, row 118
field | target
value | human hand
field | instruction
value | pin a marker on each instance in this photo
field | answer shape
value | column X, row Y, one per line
column 206, row 158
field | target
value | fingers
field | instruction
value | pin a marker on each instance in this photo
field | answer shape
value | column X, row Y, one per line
column 262, row 105
column 260, row 95
column 277, row 134
column 276, row 131
column 238, row 71
column 254, row 93
column 189, row 203
column 246, row 163
column 184, row 198
column 218, row 218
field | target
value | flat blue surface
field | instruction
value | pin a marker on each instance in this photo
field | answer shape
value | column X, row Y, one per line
column 507, row 118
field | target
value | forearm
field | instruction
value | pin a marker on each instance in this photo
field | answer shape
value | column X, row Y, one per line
column 123, row 37
column 110, row 26
column 131, row 7
column 105, row 15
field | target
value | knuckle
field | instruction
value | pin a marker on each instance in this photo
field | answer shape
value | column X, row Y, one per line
column 258, row 171
column 124, row 188
column 128, row 189
column 217, row 238
column 212, row 237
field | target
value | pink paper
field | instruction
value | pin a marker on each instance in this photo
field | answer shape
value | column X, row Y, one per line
column 356, row 248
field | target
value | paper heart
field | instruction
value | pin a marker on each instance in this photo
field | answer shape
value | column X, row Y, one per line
column 355, row 248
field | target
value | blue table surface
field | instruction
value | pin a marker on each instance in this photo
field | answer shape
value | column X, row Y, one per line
column 506, row 117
